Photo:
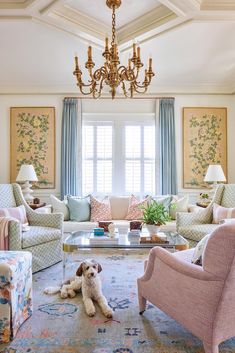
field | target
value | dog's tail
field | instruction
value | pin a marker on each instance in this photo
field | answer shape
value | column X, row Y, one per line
column 52, row 290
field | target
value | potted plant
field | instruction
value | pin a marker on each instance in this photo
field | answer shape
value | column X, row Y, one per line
column 154, row 215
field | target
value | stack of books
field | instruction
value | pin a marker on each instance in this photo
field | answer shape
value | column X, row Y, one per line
column 104, row 239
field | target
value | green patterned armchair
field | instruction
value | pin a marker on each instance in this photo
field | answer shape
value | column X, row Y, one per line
column 194, row 226
column 44, row 237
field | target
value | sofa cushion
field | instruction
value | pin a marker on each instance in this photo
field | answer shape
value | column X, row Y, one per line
column 134, row 210
column 179, row 205
column 39, row 235
column 100, row 210
column 220, row 213
column 79, row 209
column 119, row 206
column 18, row 213
column 199, row 250
column 60, row 206
column 197, row 231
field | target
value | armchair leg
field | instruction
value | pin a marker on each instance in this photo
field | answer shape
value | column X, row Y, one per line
column 142, row 304
column 210, row 347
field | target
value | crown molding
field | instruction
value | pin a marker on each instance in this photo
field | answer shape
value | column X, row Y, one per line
column 221, row 5
column 15, row 5
column 145, row 24
column 161, row 89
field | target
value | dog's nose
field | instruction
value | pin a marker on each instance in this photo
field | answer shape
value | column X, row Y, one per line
column 92, row 274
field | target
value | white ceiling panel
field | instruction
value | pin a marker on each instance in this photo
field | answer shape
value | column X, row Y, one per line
column 127, row 12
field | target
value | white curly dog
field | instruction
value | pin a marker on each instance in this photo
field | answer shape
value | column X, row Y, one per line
column 88, row 281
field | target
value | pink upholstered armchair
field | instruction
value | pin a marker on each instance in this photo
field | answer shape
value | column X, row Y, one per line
column 200, row 298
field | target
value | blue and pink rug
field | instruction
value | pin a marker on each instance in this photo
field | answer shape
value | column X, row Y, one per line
column 62, row 326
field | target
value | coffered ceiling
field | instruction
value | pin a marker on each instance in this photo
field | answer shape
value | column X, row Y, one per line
column 181, row 35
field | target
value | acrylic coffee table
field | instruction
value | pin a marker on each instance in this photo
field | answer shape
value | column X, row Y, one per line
column 80, row 240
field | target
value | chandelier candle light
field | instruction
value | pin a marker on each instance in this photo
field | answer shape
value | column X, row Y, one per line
column 112, row 73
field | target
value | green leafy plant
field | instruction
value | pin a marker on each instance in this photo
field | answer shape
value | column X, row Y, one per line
column 155, row 213
column 204, row 196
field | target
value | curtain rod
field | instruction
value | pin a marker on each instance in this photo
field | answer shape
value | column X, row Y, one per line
column 120, row 98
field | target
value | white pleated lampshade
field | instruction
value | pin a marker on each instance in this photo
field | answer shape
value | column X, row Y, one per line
column 27, row 173
column 215, row 173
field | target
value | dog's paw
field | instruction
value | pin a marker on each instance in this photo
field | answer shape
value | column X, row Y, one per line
column 91, row 312
column 108, row 313
column 71, row 293
column 64, row 295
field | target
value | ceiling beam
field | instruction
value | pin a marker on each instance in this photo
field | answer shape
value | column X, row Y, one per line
column 182, row 7
column 144, row 24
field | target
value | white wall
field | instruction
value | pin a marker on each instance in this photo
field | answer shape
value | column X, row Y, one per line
column 99, row 106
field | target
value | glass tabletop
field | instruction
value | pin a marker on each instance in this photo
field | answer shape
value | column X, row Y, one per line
column 86, row 239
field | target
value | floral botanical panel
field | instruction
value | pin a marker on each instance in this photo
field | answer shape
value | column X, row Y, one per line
column 205, row 142
column 33, row 142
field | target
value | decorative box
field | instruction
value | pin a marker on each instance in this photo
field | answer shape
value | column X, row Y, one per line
column 104, row 225
column 98, row 231
column 135, row 225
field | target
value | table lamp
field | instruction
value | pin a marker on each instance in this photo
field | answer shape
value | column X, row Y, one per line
column 214, row 174
column 27, row 174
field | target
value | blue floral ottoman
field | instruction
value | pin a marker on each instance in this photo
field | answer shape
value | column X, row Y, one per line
column 15, row 292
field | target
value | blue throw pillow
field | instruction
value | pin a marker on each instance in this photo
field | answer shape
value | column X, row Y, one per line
column 79, row 209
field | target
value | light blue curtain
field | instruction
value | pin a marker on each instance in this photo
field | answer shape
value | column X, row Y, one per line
column 69, row 148
column 168, row 171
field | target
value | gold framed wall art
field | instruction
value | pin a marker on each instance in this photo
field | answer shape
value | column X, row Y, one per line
column 204, row 143
column 32, row 138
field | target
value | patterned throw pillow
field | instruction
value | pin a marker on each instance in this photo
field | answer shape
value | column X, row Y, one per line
column 100, row 210
column 199, row 251
column 134, row 212
column 18, row 213
column 220, row 213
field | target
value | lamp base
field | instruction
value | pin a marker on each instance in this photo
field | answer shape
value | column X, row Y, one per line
column 27, row 192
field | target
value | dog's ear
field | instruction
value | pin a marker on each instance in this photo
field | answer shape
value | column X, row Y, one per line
column 80, row 270
column 99, row 268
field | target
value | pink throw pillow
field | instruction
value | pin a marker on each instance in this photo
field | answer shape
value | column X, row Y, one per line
column 220, row 213
column 134, row 212
column 18, row 213
column 100, row 210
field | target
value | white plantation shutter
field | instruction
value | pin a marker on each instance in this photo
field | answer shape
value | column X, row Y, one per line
column 140, row 159
column 97, row 158
column 118, row 156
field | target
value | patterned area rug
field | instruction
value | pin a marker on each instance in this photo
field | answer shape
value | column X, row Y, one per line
column 62, row 325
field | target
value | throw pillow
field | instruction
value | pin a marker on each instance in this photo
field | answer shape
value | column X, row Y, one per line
column 220, row 213
column 163, row 200
column 178, row 205
column 100, row 210
column 79, row 209
column 199, row 250
column 60, row 206
column 134, row 212
column 18, row 213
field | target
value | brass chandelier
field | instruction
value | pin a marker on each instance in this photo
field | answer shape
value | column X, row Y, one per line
column 112, row 73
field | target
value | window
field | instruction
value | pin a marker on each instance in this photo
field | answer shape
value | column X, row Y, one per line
column 118, row 156
column 97, row 158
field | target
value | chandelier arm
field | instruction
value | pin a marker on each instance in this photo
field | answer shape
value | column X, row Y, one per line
column 101, row 72
column 141, row 92
column 126, row 74
column 89, row 92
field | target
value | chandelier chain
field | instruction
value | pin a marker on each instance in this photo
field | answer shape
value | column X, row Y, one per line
column 113, row 26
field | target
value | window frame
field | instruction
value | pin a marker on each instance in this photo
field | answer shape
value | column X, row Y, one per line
column 119, row 121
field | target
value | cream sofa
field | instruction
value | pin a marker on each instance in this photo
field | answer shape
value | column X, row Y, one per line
column 119, row 207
